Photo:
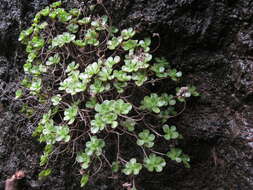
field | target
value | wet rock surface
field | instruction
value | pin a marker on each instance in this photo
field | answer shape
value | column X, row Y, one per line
column 210, row 41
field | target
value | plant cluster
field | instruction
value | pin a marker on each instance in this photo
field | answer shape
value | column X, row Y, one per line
column 81, row 80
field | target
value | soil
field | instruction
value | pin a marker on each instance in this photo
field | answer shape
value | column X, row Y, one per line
column 210, row 41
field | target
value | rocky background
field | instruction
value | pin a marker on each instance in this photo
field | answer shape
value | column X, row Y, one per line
column 211, row 41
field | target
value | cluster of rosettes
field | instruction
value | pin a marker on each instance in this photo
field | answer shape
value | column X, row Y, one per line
column 82, row 70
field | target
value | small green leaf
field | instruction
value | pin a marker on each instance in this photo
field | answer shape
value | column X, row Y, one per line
column 73, row 28
column 114, row 29
column 153, row 103
column 94, row 146
column 44, row 173
column 56, row 4
column 80, row 43
column 100, row 23
column 121, row 76
column 43, row 159
column 120, row 86
column 72, row 67
column 63, row 39
column 127, row 33
column 145, row 44
column 53, row 14
column 129, row 124
column 177, row 155
column 84, row 180
column 193, row 91
column 114, row 43
column 170, row 132
column 115, row 166
column 154, row 162
column 36, row 85
column 53, row 60
column 25, row 33
column 45, row 11
column 159, row 67
column 18, row 93
column 140, row 78
column 91, row 37
column 97, row 87
column 74, row 12
column 129, row 45
column 56, row 99
column 91, row 103
column 132, row 167
column 70, row 114
column 62, row 15
column 92, row 69
column 85, row 20
column 83, row 159
column 146, row 139
column 98, row 124
column 62, row 133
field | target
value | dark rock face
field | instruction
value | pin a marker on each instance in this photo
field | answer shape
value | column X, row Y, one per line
column 210, row 41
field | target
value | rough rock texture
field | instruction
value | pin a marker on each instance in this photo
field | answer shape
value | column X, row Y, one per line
column 210, row 41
